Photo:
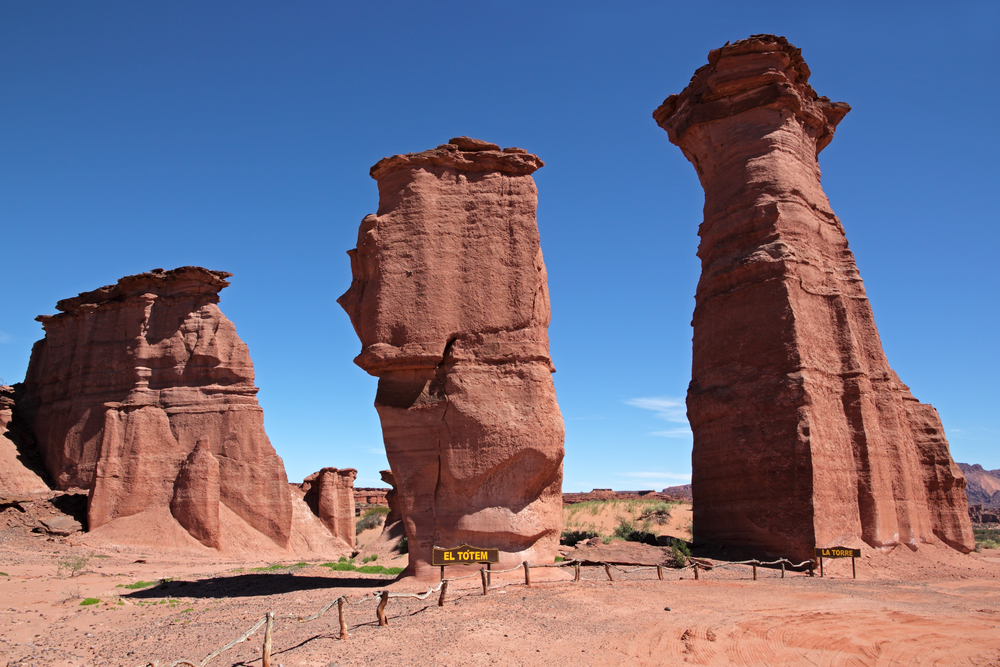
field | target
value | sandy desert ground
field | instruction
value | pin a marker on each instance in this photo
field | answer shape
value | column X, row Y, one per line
column 937, row 609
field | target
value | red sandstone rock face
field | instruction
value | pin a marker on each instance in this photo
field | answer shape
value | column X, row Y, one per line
column 450, row 301
column 196, row 499
column 330, row 495
column 128, row 378
column 17, row 476
column 803, row 434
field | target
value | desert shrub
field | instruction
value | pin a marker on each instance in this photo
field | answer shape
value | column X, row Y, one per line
column 141, row 584
column 679, row 552
column 73, row 565
column 628, row 531
column 378, row 569
column 657, row 512
column 349, row 566
column 368, row 559
column 571, row 537
column 376, row 509
column 4, row 574
column 987, row 538
column 369, row 520
column 404, row 546
column 89, row 601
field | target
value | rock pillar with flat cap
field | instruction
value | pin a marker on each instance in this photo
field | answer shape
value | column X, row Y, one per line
column 450, row 301
column 803, row 434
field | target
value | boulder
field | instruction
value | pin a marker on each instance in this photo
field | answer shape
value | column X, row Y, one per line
column 127, row 380
column 450, row 300
column 803, row 434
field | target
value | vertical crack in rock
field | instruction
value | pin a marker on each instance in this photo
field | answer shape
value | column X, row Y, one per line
column 448, row 297
column 803, row 434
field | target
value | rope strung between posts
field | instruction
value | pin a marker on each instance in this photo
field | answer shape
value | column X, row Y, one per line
column 383, row 597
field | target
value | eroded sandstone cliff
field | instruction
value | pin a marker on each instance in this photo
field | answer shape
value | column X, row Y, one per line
column 803, row 434
column 450, row 301
column 128, row 379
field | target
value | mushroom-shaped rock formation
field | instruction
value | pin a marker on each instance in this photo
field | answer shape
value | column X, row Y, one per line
column 450, row 301
column 803, row 434
column 128, row 379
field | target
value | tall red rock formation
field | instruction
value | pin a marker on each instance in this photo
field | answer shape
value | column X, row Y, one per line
column 128, row 378
column 20, row 473
column 330, row 495
column 450, row 301
column 803, row 434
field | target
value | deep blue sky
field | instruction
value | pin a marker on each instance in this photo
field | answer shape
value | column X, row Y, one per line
column 238, row 136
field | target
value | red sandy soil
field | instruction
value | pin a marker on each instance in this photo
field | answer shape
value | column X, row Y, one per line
column 935, row 608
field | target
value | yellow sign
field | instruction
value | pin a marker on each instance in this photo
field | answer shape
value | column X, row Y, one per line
column 838, row 552
column 464, row 554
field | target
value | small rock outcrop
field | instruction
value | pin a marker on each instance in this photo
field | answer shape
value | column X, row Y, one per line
column 450, row 301
column 803, row 434
column 330, row 495
column 20, row 472
column 128, row 379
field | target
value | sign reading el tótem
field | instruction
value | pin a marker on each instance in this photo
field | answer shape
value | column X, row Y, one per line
column 464, row 554
column 838, row 552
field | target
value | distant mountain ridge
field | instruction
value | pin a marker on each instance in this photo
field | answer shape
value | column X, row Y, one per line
column 982, row 487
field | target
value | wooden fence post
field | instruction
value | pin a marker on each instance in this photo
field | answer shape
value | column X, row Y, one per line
column 607, row 568
column 340, row 613
column 444, row 591
column 754, row 570
column 696, row 571
column 486, row 586
column 576, row 566
column 380, row 612
column 782, row 569
column 266, row 650
column 659, row 572
column 527, row 574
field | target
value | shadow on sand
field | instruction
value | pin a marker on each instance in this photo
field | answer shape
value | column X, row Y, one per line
column 252, row 585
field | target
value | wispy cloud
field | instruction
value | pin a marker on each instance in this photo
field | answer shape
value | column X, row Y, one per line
column 6, row 337
column 666, row 407
column 680, row 432
column 377, row 450
column 684, row 477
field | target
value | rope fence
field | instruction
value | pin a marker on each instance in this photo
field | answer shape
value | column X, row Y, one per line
column 697, row 565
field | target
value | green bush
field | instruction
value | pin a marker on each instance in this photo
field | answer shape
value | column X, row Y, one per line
column 89, row 601
column 679, row 552
column 627, row 530
column 572, row 537
column 380, row 510
column 141, row 584
column 987, row 538
column 404, row 546
column 368, row 559
column 369, row 520
column 348, row 566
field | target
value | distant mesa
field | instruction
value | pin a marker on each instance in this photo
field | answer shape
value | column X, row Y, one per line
column 982, row 486
column 143, row 394
column 803, row 434
column 450, row 301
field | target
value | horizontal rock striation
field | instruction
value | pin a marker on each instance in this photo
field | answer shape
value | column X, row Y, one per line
column 803, row 434
column 450, row 301
column 127, row 380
